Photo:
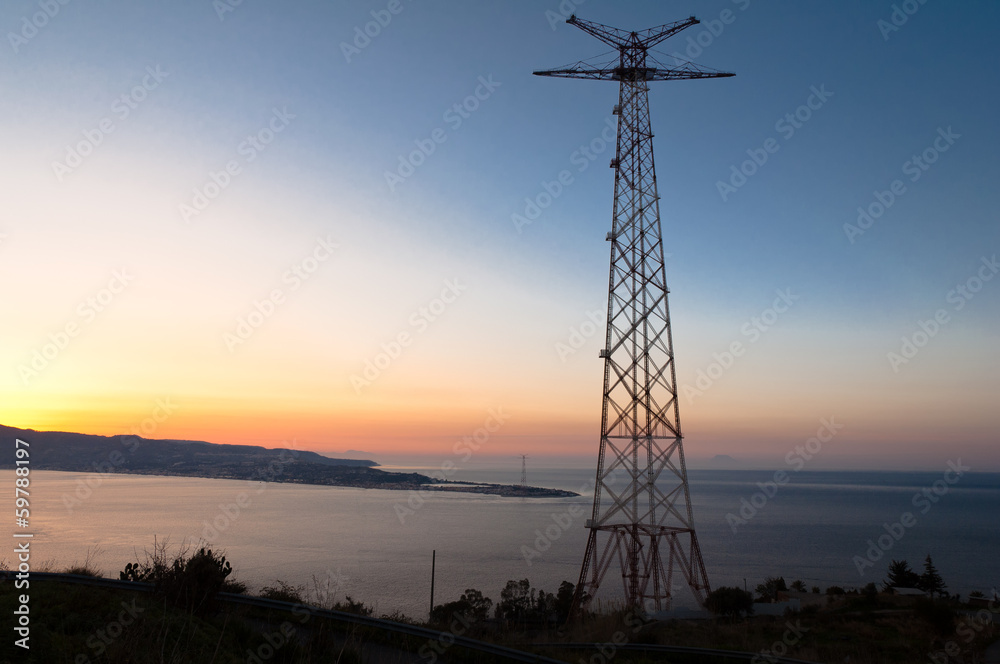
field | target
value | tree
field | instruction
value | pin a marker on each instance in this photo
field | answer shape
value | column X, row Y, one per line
column 471, row 607
column 451, row 612
column 901, row 576
column 930, row 581
column 729, row 602
column 544, row 604
column 768, row 591
column 869, row 596
column 564, row 601
column 479, row 605
column 798, row 586
column 516, row 600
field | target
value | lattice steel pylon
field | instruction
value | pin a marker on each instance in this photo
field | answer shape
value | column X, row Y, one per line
column 647, row 524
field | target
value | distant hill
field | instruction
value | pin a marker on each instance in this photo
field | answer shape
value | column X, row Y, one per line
column 58, row 450
column 724, row 461
column 85, row 453
column 352, row 454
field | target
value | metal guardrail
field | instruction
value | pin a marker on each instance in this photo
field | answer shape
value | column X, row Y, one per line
column 447, row 639
column 83, row 580
column 410, row 630
column 677, row 650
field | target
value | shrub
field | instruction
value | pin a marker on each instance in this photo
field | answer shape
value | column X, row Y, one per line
column 83, row 570
column 190, row 583
column 729, row 602
column 351, row 606
column 283, row 592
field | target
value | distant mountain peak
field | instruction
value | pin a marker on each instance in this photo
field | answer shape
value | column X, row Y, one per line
column 724, row 461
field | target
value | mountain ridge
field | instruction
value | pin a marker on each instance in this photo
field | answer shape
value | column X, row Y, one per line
column 66, row 450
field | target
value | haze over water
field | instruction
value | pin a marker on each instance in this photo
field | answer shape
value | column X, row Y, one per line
column 354, row 543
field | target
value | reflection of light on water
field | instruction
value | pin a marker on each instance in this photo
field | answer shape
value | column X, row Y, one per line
column 293, row 532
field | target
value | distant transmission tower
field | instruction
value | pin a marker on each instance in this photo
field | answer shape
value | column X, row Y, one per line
column 646, row 526
column 524, row 470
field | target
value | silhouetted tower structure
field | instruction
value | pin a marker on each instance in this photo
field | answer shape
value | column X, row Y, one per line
column 644, row 525
column 524, row 470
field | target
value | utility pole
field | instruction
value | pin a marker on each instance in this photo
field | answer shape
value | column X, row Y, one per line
column 433, row 563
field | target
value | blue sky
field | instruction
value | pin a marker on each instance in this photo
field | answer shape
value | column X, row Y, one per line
column 348, row 120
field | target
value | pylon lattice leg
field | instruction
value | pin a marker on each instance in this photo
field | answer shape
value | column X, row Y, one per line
column 650, row 514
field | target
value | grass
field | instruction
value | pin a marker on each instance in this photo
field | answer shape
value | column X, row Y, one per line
column 82, row 624
column 831, row 635
column 77, row 624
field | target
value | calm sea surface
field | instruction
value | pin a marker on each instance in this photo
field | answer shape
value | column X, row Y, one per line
column 376, row 545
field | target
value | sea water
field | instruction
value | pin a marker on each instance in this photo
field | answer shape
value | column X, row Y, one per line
column 824, row 528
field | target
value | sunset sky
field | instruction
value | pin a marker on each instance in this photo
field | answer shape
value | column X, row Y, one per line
column 199, row 238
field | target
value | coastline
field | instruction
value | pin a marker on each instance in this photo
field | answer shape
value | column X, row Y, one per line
column 358, row 479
